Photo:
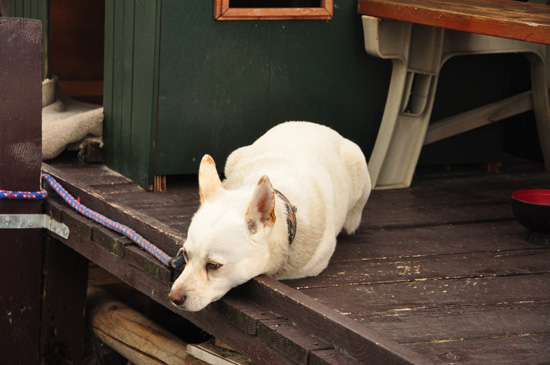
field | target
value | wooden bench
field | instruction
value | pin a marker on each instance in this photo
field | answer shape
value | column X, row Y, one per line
column 419, row 36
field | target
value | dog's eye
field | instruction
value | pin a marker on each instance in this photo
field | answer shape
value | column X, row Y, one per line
column 213, row 266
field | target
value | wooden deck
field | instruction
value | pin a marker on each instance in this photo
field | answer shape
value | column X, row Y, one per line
column 439, row 272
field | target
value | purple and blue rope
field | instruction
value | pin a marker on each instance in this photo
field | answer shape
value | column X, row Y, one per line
column 8, row 194
column 176, row 262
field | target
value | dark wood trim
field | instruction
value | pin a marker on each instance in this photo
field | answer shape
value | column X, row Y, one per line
column 20, row 155
column 63, row 304
column 359, row 341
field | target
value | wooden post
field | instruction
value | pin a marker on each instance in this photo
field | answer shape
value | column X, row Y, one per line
column 42, row 282
column 63, row 323
column 20, row 160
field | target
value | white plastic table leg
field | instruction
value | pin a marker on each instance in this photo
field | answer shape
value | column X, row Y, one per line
column 418, row 52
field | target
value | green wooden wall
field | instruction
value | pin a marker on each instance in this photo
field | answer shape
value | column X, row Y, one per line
column 179, row 84
column 132, row 30
column 223, row 84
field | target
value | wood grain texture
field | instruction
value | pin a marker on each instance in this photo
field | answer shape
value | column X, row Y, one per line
column 443, row 267
column 131, row 87
column 34, row 9
column 62, row 324
column 362, row 343
column 132, row 334
column 527, row 348
column 502, row 18
column 452, row 324
column 20, row 156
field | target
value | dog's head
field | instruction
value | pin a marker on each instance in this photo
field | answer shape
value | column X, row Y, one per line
column 227, row 240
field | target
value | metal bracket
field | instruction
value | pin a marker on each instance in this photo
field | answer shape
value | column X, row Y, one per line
column 29, row 221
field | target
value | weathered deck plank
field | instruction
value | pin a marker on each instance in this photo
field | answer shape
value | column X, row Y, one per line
column 429, row 268
column 408, row 296
column 455, row 200
column 522, row 349
column 429, row 241
column 456, row 323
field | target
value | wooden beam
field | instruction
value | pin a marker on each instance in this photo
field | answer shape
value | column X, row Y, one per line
column 133, row 335
column 63, row 324
column 20, row 157
column 360, row 342
column 479, row 117
column 502, row 18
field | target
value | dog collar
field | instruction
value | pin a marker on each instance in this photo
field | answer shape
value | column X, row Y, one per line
column 291, row 221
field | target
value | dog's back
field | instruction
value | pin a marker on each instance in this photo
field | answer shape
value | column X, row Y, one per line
column 323, row 174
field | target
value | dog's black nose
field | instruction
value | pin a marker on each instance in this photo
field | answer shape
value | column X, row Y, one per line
column 177, row 297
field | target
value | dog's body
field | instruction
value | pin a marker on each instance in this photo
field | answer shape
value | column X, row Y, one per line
column 244, row 226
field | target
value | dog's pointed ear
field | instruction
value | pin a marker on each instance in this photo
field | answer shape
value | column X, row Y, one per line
column 209, row 180
column 261, row 210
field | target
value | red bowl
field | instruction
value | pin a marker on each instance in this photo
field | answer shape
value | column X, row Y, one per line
column 532, row 209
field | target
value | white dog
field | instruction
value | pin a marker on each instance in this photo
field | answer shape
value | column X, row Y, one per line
column 245, row 226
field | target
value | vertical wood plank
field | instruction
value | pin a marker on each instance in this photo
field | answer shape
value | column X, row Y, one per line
column 34, row 9
column 26, row 8
column 214, row 86
column 115, row 141
column 127, row 48
column 64, row 302
column 144, row 93
column 131, row 65
column 44, row 16
column 20, row 161
column 108, row 82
